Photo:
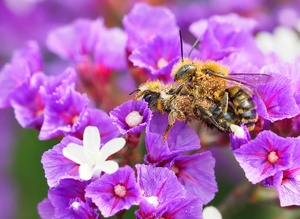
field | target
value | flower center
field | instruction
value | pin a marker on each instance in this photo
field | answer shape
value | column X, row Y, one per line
column 175, row 169
column 153, row 200
column 162, row 63
column 272, row 157
column 133, row 119
column 120, row 190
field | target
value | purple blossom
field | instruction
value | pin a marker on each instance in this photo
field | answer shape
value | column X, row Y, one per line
column 229, row 38
column 164, row 196
column 101, row 120
column 64, row 117
column 114, row 192
column 57, row 166
column 289, row 70
column 158, row 56
column 264, row 156
column 181, row 138
column 140, row 29
column 131, row 117
column 196, row 174
column 46, row 209
column 287, row 182
column 28, row 103
column 69, row 201
column 237, row 140
column 24, row 63
column 89, row 40
column 277, row 99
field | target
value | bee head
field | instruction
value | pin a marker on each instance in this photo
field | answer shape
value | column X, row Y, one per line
column 185, row 73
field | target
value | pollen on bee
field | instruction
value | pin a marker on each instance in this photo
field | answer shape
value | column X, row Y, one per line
column 133, row 118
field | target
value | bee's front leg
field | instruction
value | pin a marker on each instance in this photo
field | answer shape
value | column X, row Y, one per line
column 223, row 98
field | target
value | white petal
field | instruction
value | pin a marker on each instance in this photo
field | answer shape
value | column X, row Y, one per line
column 91, row 138
column 85, row 172
column 75, row 153
column 112, row 147
column 109, row 166
column 211, row 212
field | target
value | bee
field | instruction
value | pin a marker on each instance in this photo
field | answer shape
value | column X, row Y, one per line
column 180, row 104
column 211, row 80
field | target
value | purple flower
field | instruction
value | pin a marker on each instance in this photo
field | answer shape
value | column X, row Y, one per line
column 89, row 40
column 196, row 174
column 140, row 29
column 28, row 102
column 181, row 138
column 69, row 201
column 101, row 120
column 287, row 182
column 289, row 70
column 158, row 56
column 46, row 209
column 25, row 62
column 64, row 117
column 132, row 116
column 114, row 192
column 164, row 196
column 265, row 156
column 57, row 166
column 237, row 139
column 229, row 38
column 277, row 99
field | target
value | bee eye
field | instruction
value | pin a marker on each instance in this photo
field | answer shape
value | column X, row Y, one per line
column 149, row 98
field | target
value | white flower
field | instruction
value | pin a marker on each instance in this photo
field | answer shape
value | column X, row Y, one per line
column 283, row 41
column 211, row 212
column 90, row 158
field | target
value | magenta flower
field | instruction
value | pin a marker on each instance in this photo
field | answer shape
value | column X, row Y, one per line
column 264, row 156
column 287, row 181
column 114, row 192
column 131, row 117
column 140, row 29
column 181, row 139
column 164, row 196
column 196, row 174
column 89, row 40
column 277, row 99
column 46, row 209
column 28, row 102
column 69, row 201
column 24, row 63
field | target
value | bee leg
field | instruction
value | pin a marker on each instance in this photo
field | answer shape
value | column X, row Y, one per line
column 171, row 121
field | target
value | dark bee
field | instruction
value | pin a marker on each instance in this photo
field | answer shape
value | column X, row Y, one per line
column 211, row 81
column 180, row 104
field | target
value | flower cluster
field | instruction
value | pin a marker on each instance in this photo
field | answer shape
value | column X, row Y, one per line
column 98, row 169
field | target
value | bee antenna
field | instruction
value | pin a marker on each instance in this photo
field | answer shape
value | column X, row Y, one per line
column 181, row 45
column 194, row 46
column 136, row 90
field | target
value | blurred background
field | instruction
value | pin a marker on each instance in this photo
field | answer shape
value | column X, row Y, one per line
column 22, row 181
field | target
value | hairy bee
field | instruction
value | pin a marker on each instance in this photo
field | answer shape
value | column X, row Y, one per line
column 211, row 80
column 179, row 103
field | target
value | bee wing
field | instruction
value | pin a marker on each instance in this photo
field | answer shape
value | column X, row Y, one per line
column 249, row 81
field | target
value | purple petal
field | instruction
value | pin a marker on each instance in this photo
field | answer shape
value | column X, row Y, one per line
column 265, row 156
column 103, row 191
column 181, row 138
column 278, row 99
column 141, row 29
column 196, row 174
column 57, row 166
column 46, row 209
column 119, row 114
